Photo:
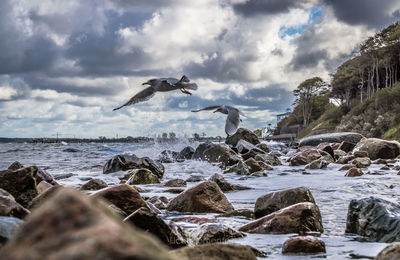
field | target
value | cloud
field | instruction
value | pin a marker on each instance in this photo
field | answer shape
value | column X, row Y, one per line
column 266, row 7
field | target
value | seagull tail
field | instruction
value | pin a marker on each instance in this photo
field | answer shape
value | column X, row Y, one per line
column 192, row 86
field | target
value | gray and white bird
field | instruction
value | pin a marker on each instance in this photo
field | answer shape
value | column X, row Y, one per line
column 161, row 85
column 232, row 121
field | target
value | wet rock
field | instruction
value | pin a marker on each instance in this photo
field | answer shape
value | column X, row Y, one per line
column 305, row 156
column 6, row 194
column 264, row 166
column 43, row 197
column 252, row 154
column 63, row 176
column 381, row 161
column 201, row 148
column 360, row 154
column 94, row 184
column 268, row 158
column 375, row 219
column 326, row 147
column 361, row 162
column 224, row 185
column 196, row 220
column 186, row 153
column 354, row 172
column 15, row 166
column 10, row 208
column 379, row 148
column 239, row 168
column 246, row 213
column 338, row 153
column 299, row 218
column 175, row 183
column 8, row 227
column 195, row 179
column 206, row 197
column 168, row 156
column 346, row 146
column 71, row 150
column 74, row 226
column 142, row 176
column 275, row 201
column 385, row 168
column 242, row 134
column 259, row 174
column 174, row 190
column 43, row 186
column 123, row 196
column 320, row 163
column 347, row 167
column 126, row 162
column 148, row 221
column 214, row 233
column 264, row 147
column 159, row 202
column 345, row 159
column 221, row 154
column 253, row 165
column 303, row 245
column 215, row 252
column 314, row 140
column 391, row 252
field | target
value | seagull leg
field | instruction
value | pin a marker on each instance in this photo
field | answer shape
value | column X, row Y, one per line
column 184, row 91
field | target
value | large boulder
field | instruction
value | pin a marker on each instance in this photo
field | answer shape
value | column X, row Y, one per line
column 148, row 221
column 354, row 172
column 215, row 252
column 240, row 168
column 10, row 208
column 124, row 162
column 314, row 140
column 206, row 197
column 74, row 226
column 142, row 176
column 275, row 201
column 306, row 155
column 186, row 153
column 8, row 226
column 242, row 134
column 379, row 148
column 201, row 148
column 214, row 233
column 375, row 219
column 303, row 245
column 44, row 196
column 224, row 185
column 123, row 196
column 15, row 166
column 391, row 252
column 346, row 146
column 268, row 158
column 168, row 156
column 299, row 218
column 221, row 154
column 361, row 162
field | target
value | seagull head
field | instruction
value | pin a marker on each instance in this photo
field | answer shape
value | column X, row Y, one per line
column 150, row 82
column 218, row 110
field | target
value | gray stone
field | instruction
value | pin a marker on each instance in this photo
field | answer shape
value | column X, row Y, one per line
column 314, row 140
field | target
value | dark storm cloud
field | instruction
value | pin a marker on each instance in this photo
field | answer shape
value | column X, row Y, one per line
column 268, row 7
column 373, row 13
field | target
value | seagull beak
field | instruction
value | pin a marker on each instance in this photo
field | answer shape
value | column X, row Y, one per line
column 215, row 111
column 145, row 83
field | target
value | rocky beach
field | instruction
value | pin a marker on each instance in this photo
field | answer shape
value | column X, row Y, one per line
column 331, row 196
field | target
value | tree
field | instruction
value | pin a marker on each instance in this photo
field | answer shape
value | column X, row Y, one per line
column 305, row 95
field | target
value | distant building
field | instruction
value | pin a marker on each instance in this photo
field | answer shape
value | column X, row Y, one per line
column 279, row 117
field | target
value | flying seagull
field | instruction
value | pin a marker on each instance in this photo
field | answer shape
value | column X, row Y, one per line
column 233, row 119
column 162, row 85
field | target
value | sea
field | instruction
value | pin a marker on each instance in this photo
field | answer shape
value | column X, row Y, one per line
column 73, row 164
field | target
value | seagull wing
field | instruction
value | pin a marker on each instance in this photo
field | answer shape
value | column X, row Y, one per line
column 232, row 122
column 143, row 95
column 170, row 81
column 206, row 108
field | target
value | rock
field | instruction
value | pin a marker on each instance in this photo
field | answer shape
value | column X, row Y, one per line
column 264, row 147
column 175, row 183
column 314, row 140
column 259, row 174
column 10, row 208
column 252, row 154
column 186, row 153
column 239, row 168
column 361, row 162
column 214, row 233
column 242, row 134
column 305, row 156
column 195, row 179
column 379, row 148
column 195, row 220
column 246, row 213
column 221, row 154
column 148, row 221
column 346, row 146
column 8, row 227
column 354, row 172
column 275, row 201
column 326, row 147
column 174, row 190
column 74, row 226
column 381, row 161
column 347, row 167
column 375, row 219
column 224, row 185
column 71, row 150
column 63, row 176
column 168, row 156
column 123, row 196
column 360, row 154
column 338, row 153
column 6, row 194
column 345, row 159
column 215, row 252
column 15, row 166
column 299, row 218
column 303, row 245
column 159, row 202
column 94, row 184
column 142, row 176
column 43, row 197
column 206, row 197
column 385, row 168
column 264, row 166
column 268, row 158
column 320, row 163
column 43, row 186
column 243, row 147
column 253, row 165
column 391, row 252
column 201, row 148
column 127, row 162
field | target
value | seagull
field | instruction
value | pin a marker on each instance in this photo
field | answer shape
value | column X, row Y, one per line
column 233, row 119
column 162, row 85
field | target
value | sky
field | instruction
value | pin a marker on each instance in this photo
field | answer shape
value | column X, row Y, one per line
column 64, row 65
